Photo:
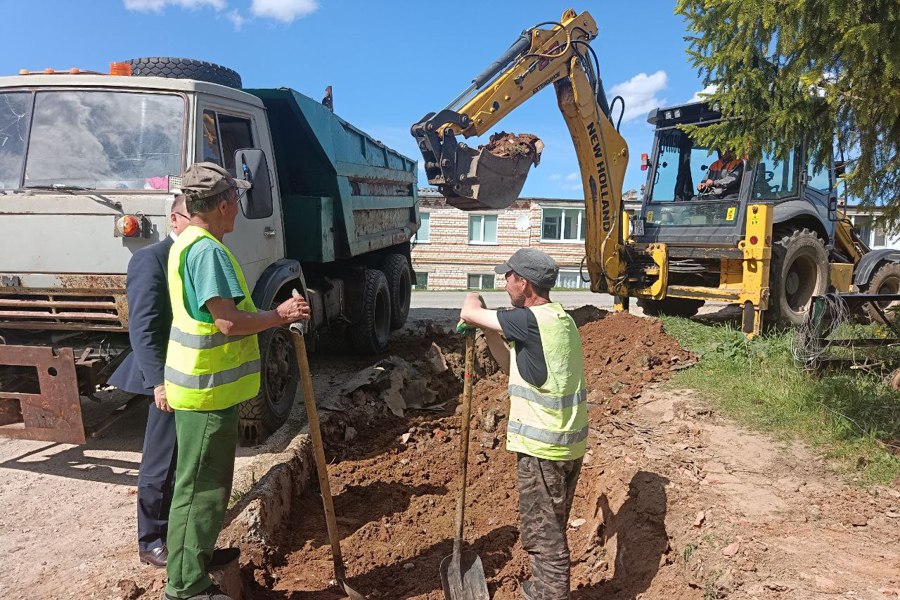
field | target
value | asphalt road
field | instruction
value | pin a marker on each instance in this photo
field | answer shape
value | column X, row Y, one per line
column 500, row 299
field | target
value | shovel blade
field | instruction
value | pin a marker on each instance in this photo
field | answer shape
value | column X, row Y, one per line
column 464, row 579
column 492, row 182
column 351, row 593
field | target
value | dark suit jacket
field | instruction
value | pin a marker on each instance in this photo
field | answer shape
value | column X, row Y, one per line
column 149, row 320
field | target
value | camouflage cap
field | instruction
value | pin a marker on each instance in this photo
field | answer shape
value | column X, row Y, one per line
column 202, row 180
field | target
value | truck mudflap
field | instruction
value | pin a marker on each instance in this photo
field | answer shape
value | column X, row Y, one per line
column 39, row 396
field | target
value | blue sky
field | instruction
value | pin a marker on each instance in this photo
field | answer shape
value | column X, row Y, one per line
column 390, row 62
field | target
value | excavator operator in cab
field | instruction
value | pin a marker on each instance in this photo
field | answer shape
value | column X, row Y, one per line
column 723, row 177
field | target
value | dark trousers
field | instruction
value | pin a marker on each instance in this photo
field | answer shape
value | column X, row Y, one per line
column 207, row 441
column 156, row 479
column 546, row 492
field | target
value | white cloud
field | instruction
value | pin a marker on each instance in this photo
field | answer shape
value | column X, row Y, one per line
column 285, row 11
column 236, row 19
column 160, row 5
column 569, row 181
column 701, row 95
column 640, row 93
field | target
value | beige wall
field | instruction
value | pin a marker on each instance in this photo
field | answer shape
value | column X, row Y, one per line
column 449, row 258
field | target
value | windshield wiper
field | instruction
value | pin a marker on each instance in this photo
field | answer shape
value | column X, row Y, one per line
column 71, row 189
column 60, row 187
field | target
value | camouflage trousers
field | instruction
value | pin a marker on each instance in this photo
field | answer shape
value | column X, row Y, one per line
column 546, row 492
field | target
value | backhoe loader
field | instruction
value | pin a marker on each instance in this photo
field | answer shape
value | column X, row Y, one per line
column 770, row 244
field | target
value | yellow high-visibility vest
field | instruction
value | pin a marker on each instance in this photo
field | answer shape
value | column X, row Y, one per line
column 550, row 421
column 206, row 369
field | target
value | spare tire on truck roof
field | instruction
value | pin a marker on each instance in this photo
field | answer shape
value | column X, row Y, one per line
column 184, row 68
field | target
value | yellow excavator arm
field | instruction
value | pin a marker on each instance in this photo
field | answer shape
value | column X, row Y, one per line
column 473, row 179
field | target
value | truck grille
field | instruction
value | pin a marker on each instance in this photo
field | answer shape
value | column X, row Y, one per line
column 81, row 310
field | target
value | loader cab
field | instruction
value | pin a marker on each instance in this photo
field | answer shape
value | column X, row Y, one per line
column 675, row 212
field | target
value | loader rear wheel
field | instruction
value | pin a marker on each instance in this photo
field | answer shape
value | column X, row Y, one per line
column 399, row 278
column 798, row 271
column 184, row 68
column 279, row 378
column 673, row 307
column 371, row 334
column 886, row 280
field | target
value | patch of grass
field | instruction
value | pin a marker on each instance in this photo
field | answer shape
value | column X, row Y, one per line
column 854, row 417
column 688, row 552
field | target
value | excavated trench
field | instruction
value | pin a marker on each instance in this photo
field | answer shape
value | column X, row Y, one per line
column 394, row 478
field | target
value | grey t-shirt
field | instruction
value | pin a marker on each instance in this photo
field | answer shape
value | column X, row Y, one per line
column 520, row 326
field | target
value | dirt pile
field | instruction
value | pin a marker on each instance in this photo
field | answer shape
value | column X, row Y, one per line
column 395, row 484
column 506, row 145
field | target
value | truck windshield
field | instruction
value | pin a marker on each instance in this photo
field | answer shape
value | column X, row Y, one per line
column 15, row 115
column 90, row 139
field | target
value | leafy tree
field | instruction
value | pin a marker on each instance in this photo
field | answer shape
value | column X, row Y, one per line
column 824, row 69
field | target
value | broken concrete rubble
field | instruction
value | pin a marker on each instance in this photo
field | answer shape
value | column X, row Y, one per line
column 399, row 384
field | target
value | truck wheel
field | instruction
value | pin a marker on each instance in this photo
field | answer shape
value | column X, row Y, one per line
column 885, row 280
column 184, row 68
column 371, row 334
column 673, row 307
column 399, row 279
column 798, row 271
column 278, row 382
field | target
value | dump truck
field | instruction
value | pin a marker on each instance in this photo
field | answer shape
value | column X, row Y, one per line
column 89, row 168
column 770, row 244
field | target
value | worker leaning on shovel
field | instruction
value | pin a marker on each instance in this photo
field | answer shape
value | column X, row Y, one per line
column 548, row 423
column 212, row 365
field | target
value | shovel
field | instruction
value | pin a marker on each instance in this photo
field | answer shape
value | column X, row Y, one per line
column 462, row 574
column 319, row 454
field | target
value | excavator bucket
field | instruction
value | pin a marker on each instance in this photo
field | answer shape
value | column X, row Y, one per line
column 496, row 172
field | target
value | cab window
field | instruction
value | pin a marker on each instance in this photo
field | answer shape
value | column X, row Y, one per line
column 776, row 178
column 222, row 135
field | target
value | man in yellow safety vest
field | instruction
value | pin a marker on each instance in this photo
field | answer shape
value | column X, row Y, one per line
column 548, row 423
column 212, row 365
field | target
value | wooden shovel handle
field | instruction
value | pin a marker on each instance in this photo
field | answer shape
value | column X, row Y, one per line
column 319, row 453
column 464, row 441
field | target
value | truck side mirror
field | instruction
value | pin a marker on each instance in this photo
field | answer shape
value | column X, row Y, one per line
column 251, row 166
column 833, row 209
column 839, row 168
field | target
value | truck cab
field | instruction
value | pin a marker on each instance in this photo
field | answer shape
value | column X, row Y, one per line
column 89, row 168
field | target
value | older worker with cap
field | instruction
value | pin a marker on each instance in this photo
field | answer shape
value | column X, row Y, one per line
column 212, row 365
column 548, row 423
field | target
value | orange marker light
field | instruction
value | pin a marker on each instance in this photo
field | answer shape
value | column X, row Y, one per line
column 128, row 226
column 120, row 68
column 644, row 161
column 49, row 71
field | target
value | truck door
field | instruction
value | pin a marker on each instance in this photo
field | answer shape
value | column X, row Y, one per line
column 222, row 130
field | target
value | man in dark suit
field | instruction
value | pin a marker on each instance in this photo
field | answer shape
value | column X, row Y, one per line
column 149, row 321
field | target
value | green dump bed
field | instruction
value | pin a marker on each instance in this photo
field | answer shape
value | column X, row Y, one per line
column 344, row 193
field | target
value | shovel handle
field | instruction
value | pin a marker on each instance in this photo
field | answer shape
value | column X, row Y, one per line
column 464, row 441
column 319, row 453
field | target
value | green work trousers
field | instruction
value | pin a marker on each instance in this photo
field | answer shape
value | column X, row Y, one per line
column 206, row 441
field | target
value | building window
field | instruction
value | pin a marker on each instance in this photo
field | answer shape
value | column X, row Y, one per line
column 571, row 280
column 563, row 225
column 423, row 235
column 482, row 229
column 421, row 281
column 869, row 232
column 479, row 281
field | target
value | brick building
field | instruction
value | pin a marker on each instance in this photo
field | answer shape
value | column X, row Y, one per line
column 457, row 250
